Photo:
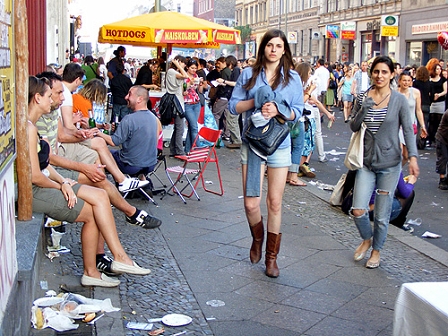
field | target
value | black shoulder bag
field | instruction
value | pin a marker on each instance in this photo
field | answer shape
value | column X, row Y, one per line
column 266, row 139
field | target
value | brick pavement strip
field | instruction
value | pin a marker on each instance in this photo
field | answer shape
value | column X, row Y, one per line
column 399, row 260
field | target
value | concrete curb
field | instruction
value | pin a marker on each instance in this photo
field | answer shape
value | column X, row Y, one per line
column 413, row 242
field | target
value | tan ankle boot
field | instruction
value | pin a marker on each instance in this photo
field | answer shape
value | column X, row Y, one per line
column 272, row 248
column 257, row 232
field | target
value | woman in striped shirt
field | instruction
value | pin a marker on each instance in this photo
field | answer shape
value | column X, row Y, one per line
column 383, row 111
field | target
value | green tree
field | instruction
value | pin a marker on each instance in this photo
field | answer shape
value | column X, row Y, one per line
column 245, row 31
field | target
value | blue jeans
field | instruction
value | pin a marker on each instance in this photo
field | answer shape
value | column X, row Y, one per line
column 177, row 138
column 386, row 181
column 126, row 168
column 297, row 149
column 396, row 209
column 192, row 114
column 119, row 111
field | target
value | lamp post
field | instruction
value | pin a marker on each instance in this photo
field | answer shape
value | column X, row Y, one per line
column 284, row 4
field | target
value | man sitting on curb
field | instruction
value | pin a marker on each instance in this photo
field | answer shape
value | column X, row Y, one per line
column 138, row 134
column 77, row 145
column 87, row 172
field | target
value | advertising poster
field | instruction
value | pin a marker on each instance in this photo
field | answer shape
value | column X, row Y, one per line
column 332, row 31
column 7, row 119
column 250, row 49
column 8, row 260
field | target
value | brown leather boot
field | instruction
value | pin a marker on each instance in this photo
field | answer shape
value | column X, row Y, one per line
column 257, row 232
column 272, row 248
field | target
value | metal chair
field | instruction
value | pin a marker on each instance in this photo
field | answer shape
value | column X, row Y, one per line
column 161, row 162
column 203, row 153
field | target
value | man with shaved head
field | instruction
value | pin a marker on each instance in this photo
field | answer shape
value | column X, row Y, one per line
column 137, row 134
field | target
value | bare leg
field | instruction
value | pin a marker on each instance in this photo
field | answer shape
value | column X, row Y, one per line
column 346, row 110
column 114, row 195
column 103, row 220
column 89, row 240
column 107, row 159
column 276, row 188
column 404, row 154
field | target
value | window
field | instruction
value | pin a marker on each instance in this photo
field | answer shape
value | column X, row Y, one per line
column 310, row 41
column 366, row 46
column 301, row 42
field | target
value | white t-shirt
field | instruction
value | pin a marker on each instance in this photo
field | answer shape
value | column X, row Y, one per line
column 68, row 100
column 364, row 81
column 175, row 85
column 324, row 75
column 103, row 72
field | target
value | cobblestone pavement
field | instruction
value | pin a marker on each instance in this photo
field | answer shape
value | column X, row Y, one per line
column 200, row 253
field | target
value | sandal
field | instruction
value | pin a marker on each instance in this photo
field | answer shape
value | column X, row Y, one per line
column 297, row 183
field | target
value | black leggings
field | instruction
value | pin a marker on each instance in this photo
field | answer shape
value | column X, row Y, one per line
column 434, row 121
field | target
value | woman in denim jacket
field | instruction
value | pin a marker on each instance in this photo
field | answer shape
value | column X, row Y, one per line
column 273, row 67
column 383, row 111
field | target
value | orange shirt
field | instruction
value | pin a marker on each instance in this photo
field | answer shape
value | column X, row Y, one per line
column 81, row 104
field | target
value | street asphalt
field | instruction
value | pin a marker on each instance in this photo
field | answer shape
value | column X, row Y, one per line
column 200, row 265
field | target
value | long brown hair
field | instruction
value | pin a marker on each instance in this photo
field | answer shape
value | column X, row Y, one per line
column 285, row 61
column 303, row 69
column 95, row 91
column 422, row 74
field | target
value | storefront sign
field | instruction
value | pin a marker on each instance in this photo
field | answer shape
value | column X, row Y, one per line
column 389, row 20
column 332, row 31
column 348, row 30
column 226, row 37
column 292, row 37
column 429, row 28
column 180, row 36
column 389, row 25
column 389, row 31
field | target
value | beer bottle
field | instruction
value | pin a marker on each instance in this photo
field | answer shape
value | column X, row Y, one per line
column 92, row 123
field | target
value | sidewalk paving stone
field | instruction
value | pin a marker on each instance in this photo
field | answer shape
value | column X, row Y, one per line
column 201, row 253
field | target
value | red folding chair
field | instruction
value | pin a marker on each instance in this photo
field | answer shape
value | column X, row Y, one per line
column 195, row 163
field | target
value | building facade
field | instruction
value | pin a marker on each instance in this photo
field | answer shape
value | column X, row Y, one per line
column 298, row 18
column 419, row 26
column 317, row 28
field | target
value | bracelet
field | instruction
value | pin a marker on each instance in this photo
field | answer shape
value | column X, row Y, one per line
column 65, row 182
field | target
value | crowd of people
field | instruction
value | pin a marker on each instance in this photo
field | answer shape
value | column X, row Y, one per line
column 402, row 109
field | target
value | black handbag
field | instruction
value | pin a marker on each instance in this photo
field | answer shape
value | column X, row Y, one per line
column 266, row 139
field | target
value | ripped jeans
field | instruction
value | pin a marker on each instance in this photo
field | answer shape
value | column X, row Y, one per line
column 385, row 181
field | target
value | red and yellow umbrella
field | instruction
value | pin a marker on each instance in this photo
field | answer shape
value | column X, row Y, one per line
column 163, row 29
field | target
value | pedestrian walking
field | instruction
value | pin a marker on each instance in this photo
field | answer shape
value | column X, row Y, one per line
column 272, row 68
column 383, row 111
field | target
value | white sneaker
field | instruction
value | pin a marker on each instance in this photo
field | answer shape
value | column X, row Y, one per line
column 131, row 183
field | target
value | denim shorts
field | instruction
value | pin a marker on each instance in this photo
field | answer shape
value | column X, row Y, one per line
column 279, row 159
column 347, row 97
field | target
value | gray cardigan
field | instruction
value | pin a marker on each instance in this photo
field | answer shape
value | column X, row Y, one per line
column 383, row 150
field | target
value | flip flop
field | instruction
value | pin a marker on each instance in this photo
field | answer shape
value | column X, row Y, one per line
column 297, row 183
